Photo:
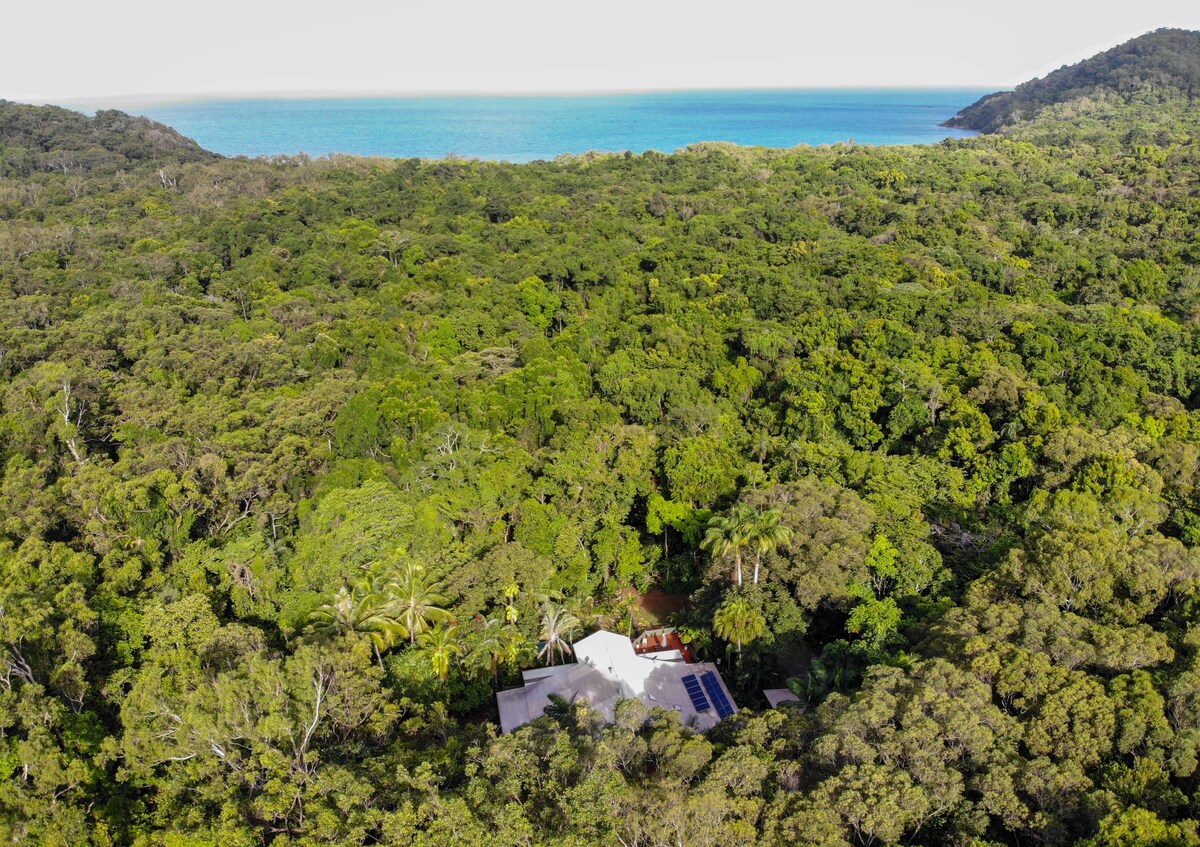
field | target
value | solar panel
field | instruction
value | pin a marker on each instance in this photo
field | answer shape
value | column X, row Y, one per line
column 717, row 695
column 694, row 692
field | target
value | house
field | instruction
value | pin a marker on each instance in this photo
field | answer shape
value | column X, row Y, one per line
column 607, row 668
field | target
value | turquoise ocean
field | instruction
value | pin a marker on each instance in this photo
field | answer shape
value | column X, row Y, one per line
column 525, row 128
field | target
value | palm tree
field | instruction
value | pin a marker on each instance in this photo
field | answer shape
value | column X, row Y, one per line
column 834, row 670
column 559, row 625
column 764, row 533
column 517, row 649
column 737, row 620
column 391, row 244
column 364, row 608
column 561, row 709
column 499, row 645
column 442, row 646
column 418, row 602
column 727, row 535
column 490, row 650
column 510, row 598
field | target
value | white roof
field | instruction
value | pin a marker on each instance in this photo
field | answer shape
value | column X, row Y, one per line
column 534, row 674
column 606, row 671
column 775, row 696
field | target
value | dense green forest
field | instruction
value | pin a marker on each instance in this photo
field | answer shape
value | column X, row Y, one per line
column 301, row 459
column 1163, row 64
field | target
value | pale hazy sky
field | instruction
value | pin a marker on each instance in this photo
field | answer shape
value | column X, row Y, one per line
column 129, row 49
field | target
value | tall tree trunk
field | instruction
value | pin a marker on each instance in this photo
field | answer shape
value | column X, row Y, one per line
column 737, row 558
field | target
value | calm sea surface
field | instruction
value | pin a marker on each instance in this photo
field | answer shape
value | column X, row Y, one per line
column 520, row 129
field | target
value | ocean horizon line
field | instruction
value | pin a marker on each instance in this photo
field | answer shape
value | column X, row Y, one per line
column 150, row 100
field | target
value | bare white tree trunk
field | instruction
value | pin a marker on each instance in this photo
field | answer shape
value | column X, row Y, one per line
column 67, row 414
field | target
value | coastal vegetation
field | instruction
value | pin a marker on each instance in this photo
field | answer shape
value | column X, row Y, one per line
column 301, row 459
column 1164, row 64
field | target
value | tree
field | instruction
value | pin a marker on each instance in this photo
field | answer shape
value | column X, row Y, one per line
column 499, row 644
column 518, row 650
column 836, row 669
column 488, row 651
column 875, row 619
column 257, row 729
column 765, row 532
column 1136, row 827
column 702, row 469
column 826, row 551
column 418, row 601
column 367, row 608
column 559, row 626
column 441, row 644
column 729, row 535
column 511, row 613
column 737, row 620
column 228, row 387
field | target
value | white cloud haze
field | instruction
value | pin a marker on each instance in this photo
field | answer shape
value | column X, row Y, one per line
column 135, row 49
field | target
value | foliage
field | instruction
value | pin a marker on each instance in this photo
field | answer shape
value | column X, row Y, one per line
column 1162, row 63
column 915, row 428
column 738, row 621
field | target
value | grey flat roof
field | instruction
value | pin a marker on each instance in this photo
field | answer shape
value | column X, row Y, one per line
column 775, row 696
column 519, row 706
column 534, row 674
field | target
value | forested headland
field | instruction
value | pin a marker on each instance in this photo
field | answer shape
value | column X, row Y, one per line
column 1159, row 66
column 301, row 460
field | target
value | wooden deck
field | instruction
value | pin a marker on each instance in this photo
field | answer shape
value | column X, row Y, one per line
column 659, row 643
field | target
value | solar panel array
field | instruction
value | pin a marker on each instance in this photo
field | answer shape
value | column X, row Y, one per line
column 716, row 694
column 693, row 690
